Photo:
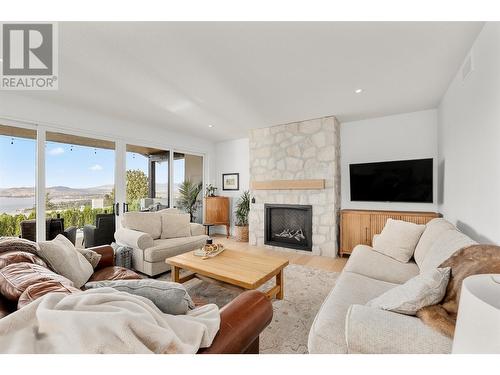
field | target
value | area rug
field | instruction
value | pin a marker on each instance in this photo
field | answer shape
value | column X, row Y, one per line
column 305, row 290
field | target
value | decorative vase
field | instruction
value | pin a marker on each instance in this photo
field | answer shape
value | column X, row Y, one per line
column 242, row 233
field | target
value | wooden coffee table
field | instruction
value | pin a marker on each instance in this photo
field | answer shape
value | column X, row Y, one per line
column 248, row 271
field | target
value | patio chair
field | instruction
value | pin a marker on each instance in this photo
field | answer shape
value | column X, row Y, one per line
column 53, row 227
column 102, row 233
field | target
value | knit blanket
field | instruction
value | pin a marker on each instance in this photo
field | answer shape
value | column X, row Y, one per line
column 105, row 320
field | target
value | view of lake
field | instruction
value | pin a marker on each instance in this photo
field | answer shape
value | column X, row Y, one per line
column 13, row 205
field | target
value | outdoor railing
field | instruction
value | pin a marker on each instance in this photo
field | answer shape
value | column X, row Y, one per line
column 10, row 225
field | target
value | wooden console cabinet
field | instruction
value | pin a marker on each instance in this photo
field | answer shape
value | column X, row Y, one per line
column 359, row 226
column 217, row 212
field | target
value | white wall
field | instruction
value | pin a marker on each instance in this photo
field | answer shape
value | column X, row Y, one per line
column 398, row 137
column 232, row 157
column 469, row 143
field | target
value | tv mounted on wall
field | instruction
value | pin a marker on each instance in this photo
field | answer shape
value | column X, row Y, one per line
column 392, row 181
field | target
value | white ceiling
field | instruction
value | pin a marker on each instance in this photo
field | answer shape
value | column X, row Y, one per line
column 237, row 76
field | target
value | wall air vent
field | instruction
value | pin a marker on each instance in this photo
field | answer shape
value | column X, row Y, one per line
column 468, row 67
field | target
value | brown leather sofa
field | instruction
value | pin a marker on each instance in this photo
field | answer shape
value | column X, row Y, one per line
column 26, row 277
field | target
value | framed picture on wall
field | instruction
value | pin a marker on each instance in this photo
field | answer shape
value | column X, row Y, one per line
column 230, row 181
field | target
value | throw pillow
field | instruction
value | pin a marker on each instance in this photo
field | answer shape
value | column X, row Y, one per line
column 16, row 277
column 175, row 225
column 448, row 242
column 62, row 256
column 398, row 239
column 92, row 257
column 146, row 222
column 433, row 229
column 169, row 297
column 171, row 210
column 423, row 290
column 18, row 244
column 11, row 257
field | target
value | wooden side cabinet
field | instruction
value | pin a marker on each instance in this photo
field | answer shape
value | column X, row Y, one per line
column 217, row 212
column 357, row 227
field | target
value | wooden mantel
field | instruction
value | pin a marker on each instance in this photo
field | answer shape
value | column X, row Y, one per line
column 288, row 185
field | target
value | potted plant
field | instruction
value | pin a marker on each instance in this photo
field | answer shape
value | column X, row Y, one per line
column 241, row 213
column 210, row 190
column 188, row 197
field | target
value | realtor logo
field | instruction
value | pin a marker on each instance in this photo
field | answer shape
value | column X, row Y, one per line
column 29, row 56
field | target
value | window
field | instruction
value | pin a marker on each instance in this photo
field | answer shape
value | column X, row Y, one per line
column 79, row 178
column 147, row 178
column 188, row 184
column 80, row 181
column 17, row 181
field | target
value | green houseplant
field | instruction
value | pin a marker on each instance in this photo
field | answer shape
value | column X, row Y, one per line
column 210, row 190
column 241, row 213
column 188, row 197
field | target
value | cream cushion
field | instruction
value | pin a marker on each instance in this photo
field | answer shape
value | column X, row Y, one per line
column 365, row 261
column 167, row 248
column 373, row 331
column 398, row 239
column 327, row 334
column 175, row 225
column 425, row 289
column 133, row 238
column 170, row 210
column 444, row 247
column 197, row 229
column 62, row 256
column 147, row 222
column 433, row 230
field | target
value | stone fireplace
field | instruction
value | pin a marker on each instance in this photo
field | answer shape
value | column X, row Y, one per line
column 288, row 225
column 282, row 158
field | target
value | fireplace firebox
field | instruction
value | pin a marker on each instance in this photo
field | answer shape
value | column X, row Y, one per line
column 287, row 225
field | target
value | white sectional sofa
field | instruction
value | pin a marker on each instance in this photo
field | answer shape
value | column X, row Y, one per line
column 155, row 236
column 344, row 324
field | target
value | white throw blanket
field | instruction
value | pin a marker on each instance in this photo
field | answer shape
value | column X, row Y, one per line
column 105, row 321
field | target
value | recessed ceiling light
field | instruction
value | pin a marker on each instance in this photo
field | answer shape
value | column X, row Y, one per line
column 358, row 91
column 210, row 126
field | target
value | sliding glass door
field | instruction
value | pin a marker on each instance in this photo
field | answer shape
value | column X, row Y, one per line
column 80, row 188
column 156, row 179
column 147, row 178
column 79, row 185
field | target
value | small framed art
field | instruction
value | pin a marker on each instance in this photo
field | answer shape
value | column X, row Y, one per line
column 231, row 181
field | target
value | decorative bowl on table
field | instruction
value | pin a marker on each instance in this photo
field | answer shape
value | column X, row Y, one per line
column 209, row 250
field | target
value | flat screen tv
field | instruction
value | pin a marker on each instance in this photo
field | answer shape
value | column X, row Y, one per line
column 392, row 181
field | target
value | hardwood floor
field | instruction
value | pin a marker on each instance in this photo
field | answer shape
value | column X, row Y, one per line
column 313, row 261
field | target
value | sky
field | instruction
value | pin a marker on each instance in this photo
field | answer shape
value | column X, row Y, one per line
column 67, row 165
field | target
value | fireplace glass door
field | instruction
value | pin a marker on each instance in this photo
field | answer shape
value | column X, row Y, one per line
column 288, row 226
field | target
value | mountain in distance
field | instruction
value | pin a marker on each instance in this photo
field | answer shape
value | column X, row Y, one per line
column 56, row 191
column 65, row 191
column 17, row 192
